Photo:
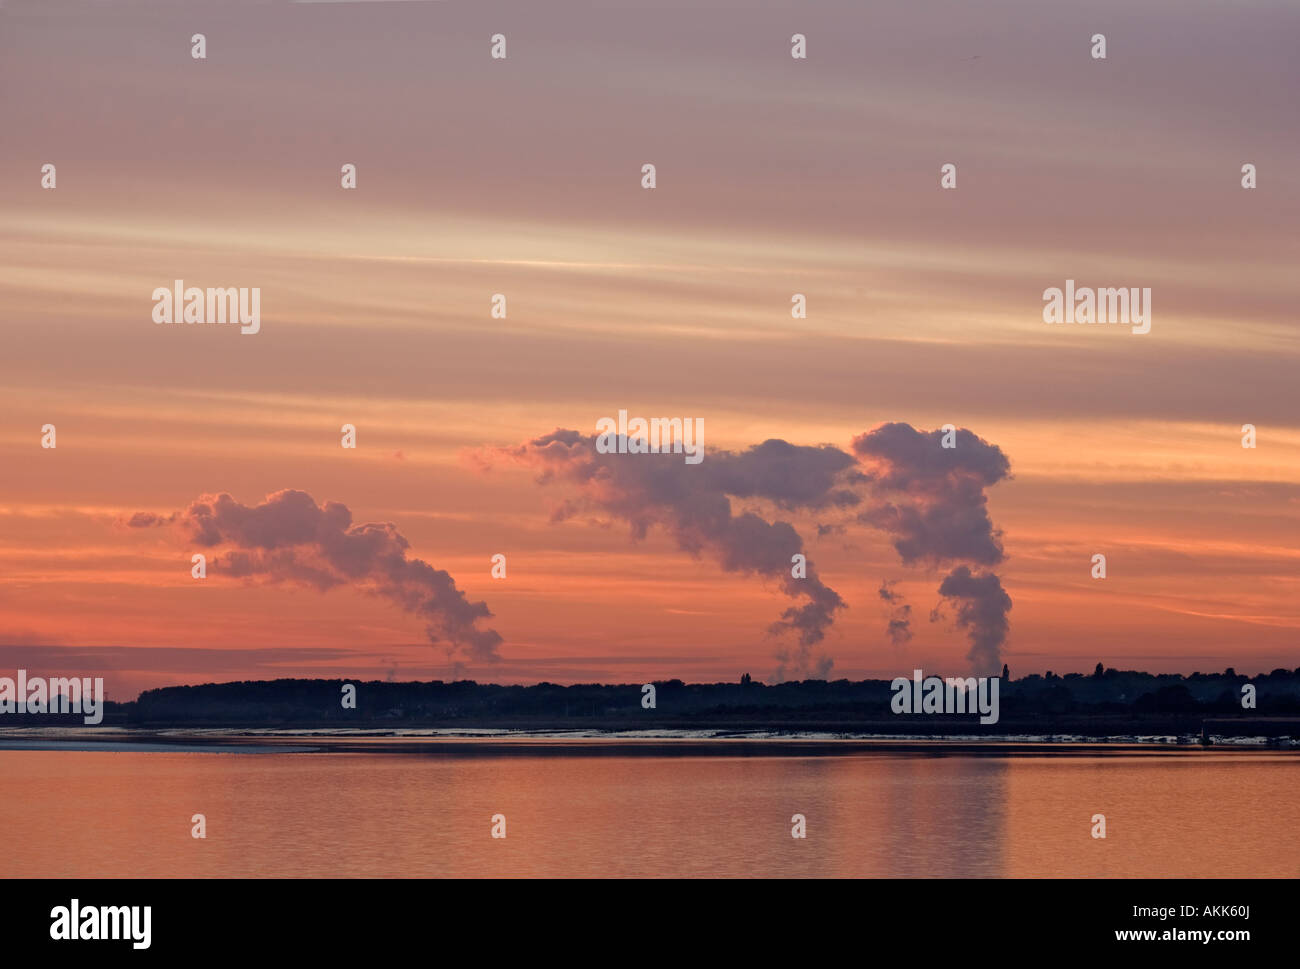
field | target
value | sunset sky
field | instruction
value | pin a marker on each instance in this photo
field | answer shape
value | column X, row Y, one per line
column 523, row 177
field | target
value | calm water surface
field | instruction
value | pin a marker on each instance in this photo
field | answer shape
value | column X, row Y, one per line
column 127, row 813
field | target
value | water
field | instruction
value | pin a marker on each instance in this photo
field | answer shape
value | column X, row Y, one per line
column 925, row 812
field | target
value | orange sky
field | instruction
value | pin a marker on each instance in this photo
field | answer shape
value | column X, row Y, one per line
column 523, row 177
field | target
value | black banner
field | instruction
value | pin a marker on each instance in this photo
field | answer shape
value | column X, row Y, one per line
column 169, row 919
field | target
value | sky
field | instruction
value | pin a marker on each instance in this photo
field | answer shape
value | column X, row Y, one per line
column 523, row 176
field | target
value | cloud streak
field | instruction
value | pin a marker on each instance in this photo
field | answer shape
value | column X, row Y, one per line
column 695, row 504
column 982, row 608
column 900, row 615
column 931, row 499
column 288, row 537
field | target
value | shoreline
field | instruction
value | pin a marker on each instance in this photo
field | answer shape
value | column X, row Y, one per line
column 490, row 742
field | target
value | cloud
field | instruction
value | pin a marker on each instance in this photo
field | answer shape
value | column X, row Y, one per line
column 147, row 519
column 900, row 614
column 931, row 498
column 290, row 538
column 982, row 608
column 694, row 504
